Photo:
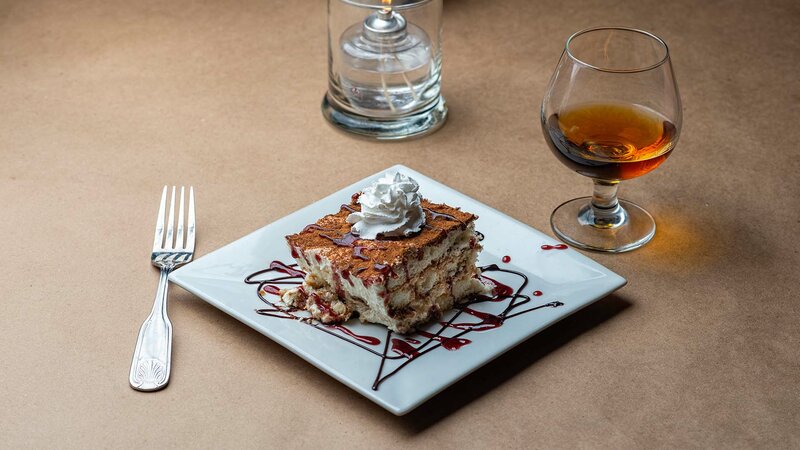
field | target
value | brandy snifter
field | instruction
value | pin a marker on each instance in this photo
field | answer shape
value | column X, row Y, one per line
column 611, row 113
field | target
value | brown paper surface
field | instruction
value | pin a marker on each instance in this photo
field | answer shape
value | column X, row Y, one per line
column 104, row 102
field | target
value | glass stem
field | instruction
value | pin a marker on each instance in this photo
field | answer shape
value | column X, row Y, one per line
column 604, row 211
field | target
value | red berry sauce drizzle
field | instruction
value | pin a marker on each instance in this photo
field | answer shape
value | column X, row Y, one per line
column 404, row 349
column 365, row 339
column 554, row 247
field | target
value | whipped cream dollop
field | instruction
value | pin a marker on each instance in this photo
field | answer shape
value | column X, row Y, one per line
column 389, row 207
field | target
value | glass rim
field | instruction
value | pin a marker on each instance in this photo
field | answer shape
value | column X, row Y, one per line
column 602, row 69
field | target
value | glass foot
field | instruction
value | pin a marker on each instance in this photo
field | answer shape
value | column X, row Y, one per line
column 413, row 125
column 575, row 223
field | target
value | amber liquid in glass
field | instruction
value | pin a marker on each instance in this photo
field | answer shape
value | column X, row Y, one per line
column 610, row 141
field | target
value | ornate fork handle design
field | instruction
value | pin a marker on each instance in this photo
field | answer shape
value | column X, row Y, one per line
column 151, row 359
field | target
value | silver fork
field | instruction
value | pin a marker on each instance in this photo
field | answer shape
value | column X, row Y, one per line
column 152, row 357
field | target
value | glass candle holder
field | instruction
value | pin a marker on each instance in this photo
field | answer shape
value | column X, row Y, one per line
column 384, row 67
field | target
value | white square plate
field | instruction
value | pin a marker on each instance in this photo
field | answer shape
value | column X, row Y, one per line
column 401, row 372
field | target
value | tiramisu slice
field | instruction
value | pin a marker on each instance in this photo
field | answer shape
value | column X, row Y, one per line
column 389, row 256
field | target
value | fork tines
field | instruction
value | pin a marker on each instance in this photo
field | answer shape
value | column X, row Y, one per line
column 174, row 241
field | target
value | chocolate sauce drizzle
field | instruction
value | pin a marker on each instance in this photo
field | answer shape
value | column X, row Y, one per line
column 436, row 215
column 358, row 253
column 404, row 349
column 348, row 239
column 314, row 226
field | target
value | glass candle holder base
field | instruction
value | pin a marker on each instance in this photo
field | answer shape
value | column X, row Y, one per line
column 574, row 223
column 419, row 123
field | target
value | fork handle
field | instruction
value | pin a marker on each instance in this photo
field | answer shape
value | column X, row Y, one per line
column 152, row 358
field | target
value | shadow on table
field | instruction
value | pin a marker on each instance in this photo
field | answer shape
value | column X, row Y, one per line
column 505, row 367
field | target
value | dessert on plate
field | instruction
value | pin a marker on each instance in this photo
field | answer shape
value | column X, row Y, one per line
column 389, row 256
